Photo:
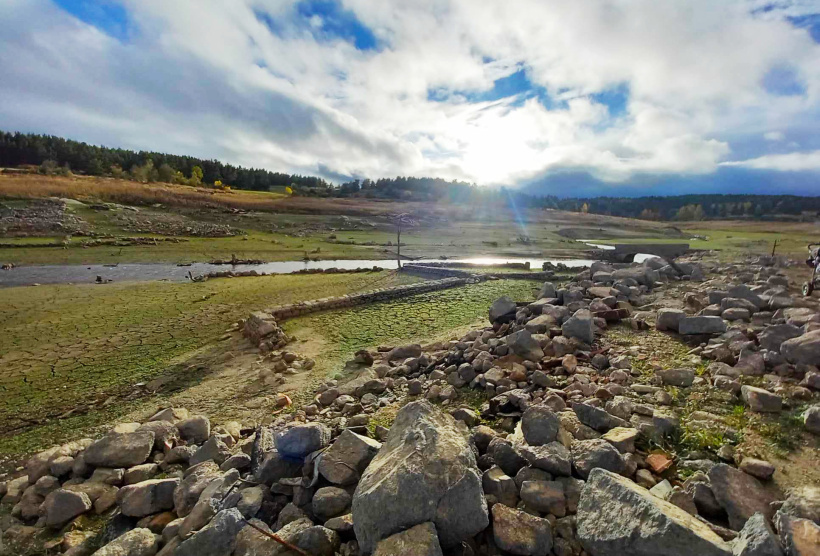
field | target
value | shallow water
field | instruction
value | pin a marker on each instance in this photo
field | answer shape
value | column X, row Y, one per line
column 64, row 274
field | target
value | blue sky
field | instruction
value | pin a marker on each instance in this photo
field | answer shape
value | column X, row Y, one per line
column 607, row 97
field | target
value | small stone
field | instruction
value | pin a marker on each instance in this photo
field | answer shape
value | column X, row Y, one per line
column 763, row 470
column 760, row 400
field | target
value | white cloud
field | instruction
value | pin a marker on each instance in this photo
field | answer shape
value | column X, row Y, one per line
column 209, row 78
column 790, row 162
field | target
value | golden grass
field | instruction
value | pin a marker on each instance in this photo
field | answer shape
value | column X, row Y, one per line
column 86, row 188
column 133, row 193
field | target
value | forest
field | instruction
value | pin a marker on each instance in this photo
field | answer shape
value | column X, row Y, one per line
column 50, row 154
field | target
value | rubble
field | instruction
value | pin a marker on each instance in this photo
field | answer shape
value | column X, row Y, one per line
column 579, row 433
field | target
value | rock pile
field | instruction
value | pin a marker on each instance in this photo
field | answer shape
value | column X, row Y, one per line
column 569, row 468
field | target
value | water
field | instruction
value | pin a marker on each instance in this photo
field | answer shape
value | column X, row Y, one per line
column 64, row 274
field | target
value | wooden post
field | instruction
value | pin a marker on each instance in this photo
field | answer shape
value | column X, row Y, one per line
column 774, row 247
column 398, row 243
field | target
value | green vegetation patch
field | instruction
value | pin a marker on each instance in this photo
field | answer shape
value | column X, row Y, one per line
column 417, row 318
column 66, row 347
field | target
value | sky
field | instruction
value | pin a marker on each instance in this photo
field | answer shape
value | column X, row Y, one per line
column 589, row 97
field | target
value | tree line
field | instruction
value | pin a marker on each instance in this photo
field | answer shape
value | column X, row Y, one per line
column 64, row 155
column 57, row 155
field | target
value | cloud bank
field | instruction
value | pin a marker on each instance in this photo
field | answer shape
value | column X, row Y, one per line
column 491, row 92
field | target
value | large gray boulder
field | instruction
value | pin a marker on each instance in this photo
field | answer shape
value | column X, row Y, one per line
column 773, row 336
column 502, row 309
column 701, row 325
column 524, row 345
column 136, row 542
column 147, row 497
column 61, row 506
column 740, row 494
column 425, row 471
column 803, row 349
column 616, row 517
column 120, row 449
column 580, row 326
column 420, row 540
column 588, row 455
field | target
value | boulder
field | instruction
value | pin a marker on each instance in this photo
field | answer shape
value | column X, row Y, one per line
column 597, row 453
column 344, row 462
column 540, row 425
column 404, row 352
column 580, row 325
column 799, row 537
column 597, row 418
column 803, row 349
column 518, row 532
column 330, row 502
column 420, row 540
column 120, row 449
column 740, row 494
column 761, row 400
column 773, row 336
column 275, row 466
column 616, row 517
column 195, row 430
column 136, row 542
column 147, row 497
column 811, row 419
column 497, row 483
column 213, row 449
column 803, row 502
column 758, row 468
column 425, row 472
column 217, row 538
column 524, row 345
column 61, row 506
column 503, row 310
column 757, row 539
column 547, row 291
column 669, row 319
column 317, row 541
column 553, row 458
column 701, row 325
column 545, row 496
column 193, row 483
column 301, row 440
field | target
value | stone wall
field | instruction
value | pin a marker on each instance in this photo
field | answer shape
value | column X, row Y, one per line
column 283, row 312
column 440, row 271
